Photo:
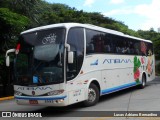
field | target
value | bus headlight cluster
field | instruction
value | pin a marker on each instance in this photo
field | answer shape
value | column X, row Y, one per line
column 17, row 93
column 55, row 92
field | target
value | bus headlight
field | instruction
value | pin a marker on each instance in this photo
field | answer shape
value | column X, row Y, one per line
column 59, row 101
column 17, row 93
column 55, row 92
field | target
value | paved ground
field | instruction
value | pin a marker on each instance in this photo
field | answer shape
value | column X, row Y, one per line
column 132, row 99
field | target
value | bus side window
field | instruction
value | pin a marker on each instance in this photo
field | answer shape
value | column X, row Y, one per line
column 149, row 49
column 76, row 41
column 90, row 47
column 91, row 41
column 95, row 42
column 107, row 46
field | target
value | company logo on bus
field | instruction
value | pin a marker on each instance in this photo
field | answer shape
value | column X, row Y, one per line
column 110, row 61
column 51, row 38
column 33, row 92
column 34, row 88
column 94, row 63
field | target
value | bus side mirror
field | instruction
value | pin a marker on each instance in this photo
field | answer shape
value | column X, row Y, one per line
column 70, row 54
column 7, row 57
column 7, row 61
column 70, row 57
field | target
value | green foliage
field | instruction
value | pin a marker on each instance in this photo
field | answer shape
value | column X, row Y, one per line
column 12, row 22
column 11, row 25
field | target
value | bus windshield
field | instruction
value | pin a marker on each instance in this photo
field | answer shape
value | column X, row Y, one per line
column 39, row 57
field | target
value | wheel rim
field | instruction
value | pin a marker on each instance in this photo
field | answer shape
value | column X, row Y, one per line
column 91, row 95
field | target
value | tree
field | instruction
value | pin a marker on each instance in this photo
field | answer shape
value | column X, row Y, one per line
column 11, row 25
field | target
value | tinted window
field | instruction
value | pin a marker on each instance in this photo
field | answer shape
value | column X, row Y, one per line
column 149, row 49
column 44, row 37
column 100, row 42
column 136, row 45
column 108, row 44
column 39, row 59
column 76, row 41
column 94, row 41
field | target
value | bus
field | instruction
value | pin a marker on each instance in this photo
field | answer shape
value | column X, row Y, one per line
column 66, row 63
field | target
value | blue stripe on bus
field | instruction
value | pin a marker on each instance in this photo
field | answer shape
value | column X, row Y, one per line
column 114, row 89
column 40, row 98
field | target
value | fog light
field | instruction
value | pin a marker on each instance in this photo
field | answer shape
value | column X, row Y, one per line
column 59, row 101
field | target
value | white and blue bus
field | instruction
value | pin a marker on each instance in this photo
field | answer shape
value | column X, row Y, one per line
column 67, row 63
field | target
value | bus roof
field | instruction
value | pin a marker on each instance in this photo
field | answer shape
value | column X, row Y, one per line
column 89, row 26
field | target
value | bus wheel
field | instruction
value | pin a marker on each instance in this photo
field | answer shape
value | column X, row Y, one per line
column 93, row 95
column 143, row 84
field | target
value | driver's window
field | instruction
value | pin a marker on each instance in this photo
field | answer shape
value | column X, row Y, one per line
column 76, row 42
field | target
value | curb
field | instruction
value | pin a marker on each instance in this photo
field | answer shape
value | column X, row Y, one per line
column 6, row 98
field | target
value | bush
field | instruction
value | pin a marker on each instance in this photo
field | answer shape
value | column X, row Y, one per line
column 157, row 57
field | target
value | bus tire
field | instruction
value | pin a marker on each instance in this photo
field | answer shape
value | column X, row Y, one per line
column 143, row 84
column 93, row 95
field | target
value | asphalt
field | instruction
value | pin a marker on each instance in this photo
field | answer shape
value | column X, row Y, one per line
column 129, row 101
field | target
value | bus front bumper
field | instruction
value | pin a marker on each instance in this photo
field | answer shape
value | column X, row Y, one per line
column 43, row 100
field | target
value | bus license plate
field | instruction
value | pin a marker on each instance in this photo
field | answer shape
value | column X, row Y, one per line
column 33, row 101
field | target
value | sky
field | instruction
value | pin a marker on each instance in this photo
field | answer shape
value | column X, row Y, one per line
column 136, row 14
